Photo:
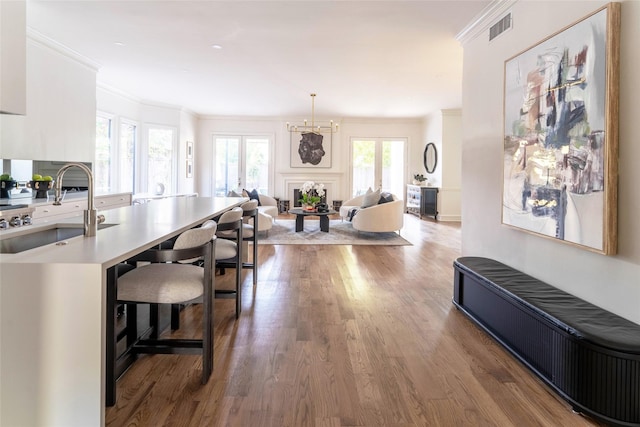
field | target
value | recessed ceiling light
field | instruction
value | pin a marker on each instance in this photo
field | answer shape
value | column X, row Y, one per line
column 216, row 46
column 118, row 43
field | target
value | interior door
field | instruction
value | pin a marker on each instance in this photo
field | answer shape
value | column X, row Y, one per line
column 378, row 163
column 241, row 162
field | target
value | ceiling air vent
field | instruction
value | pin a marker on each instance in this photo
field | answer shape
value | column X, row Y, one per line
column 500, row 27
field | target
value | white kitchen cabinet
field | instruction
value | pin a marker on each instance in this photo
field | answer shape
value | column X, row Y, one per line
column 13, row 57
column 113, row 201
column 77, row 205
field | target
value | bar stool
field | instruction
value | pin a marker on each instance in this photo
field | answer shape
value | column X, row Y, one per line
column 229, row 252
column 250, row 234
column 172, row 279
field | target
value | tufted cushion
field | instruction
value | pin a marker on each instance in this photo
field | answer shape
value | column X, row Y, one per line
column 161, row 283
column 371, row 198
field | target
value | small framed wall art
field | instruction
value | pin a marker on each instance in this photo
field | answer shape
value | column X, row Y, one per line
column 189, row 149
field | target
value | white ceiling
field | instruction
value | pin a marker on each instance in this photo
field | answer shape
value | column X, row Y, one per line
column 362, row 58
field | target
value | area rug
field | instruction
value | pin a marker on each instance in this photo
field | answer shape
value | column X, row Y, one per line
column 340, row 233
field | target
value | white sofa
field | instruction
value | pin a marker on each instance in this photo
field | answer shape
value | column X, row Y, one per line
column 377, row 218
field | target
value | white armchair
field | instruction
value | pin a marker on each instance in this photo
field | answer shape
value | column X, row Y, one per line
column 383, row 217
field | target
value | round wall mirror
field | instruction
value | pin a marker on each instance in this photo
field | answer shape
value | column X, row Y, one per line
column 430, row 157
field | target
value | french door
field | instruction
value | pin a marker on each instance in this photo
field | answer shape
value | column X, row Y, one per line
column 241, row 162
column 378, row 163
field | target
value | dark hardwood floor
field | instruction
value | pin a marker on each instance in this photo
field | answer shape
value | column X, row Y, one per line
column 343, row 336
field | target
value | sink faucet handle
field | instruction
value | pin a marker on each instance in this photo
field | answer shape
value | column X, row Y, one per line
column 100, row 219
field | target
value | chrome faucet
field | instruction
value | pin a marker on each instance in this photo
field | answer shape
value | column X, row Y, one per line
column 91, row 217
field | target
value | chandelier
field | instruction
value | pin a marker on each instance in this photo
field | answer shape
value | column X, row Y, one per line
column 331, row 127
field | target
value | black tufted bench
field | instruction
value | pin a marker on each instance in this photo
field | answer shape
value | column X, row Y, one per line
column 590, row 356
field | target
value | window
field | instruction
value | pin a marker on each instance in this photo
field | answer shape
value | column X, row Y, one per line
column 115, row 161
column 161, row 165
column 102, row 167
column 127, row 156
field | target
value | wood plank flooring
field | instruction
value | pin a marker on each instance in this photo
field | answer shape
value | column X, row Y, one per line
column 343, row 336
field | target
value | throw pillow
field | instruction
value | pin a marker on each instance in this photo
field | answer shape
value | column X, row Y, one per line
column 233, row 194
column 254, row 195
column 371, row 199
column 385, row 198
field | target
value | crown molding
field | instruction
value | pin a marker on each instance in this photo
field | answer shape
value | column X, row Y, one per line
column 483, row 20
column 38, row 38
column 118, row 92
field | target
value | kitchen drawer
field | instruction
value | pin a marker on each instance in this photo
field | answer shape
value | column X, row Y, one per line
column 112, row 201
column 67, row 209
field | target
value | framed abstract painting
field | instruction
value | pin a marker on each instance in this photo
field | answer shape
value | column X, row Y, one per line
column 561, row 134
column 310, row 149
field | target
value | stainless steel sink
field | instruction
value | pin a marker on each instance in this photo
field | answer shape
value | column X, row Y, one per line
column 39, row 238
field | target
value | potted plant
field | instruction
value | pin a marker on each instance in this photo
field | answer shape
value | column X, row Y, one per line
column 311, row 195
column 6, row 184
column 419, row 179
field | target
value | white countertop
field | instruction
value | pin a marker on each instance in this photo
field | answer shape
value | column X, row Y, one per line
column 137, row 228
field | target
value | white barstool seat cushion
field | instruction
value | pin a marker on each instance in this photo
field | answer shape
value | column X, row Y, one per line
column 161, row 283
column 225, row 249
column 247, row 231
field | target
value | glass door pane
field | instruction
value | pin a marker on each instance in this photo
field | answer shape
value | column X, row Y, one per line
column 257, row 164
column 227, row 165
column 378, row 163
column 393, row 167
column 363, row 155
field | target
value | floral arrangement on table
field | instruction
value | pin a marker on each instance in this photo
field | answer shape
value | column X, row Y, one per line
column 312, row 194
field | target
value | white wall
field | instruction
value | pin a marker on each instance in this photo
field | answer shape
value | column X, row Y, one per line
column 611, row 282
column 187, row 132
column 444, row 129
column 337, row 176
column 450, row 157
column 60, row 123
column 433, row 133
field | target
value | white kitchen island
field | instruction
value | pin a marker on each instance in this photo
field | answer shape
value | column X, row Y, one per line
column 53, row 318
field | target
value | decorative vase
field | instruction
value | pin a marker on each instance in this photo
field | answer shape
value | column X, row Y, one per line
column 309, row 207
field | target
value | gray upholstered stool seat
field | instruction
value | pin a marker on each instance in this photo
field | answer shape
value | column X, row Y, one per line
column 162, row 284
column 225, row 249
